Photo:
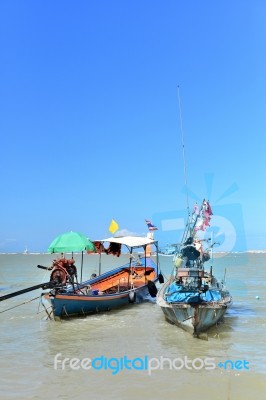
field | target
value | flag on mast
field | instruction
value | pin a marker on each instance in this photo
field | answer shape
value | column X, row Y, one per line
column 204, row 216
column 151, row 226
column 113, row 227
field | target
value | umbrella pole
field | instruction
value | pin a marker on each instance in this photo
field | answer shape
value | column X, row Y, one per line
column 81, row 266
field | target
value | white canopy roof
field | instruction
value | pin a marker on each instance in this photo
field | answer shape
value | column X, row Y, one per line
column 131, row 241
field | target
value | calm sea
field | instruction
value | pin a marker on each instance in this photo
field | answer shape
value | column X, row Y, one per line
column 30, row 343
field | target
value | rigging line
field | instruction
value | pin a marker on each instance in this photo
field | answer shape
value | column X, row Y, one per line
column 48, row 308
column 21, row 304
column 183, row 149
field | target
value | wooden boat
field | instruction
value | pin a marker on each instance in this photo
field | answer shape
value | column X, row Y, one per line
column 128, row 283
column 192, row 298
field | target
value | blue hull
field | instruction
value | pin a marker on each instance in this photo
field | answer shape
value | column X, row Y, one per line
column 69, row 304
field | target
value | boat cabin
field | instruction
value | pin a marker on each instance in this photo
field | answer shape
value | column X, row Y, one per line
column 190, row 277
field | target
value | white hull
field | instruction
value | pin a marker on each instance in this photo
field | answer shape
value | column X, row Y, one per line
column 195, row 317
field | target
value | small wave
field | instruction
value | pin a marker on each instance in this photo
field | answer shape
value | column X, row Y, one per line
column 240, row 310
column 5, row 288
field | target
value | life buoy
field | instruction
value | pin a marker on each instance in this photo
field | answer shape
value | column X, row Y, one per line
column 132, row 297
column 152, row 289
column 161, row 278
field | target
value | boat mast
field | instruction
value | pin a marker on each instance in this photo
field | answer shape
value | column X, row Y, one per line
column 187, row 230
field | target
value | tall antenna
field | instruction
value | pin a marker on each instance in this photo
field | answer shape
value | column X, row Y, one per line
column 183, row 149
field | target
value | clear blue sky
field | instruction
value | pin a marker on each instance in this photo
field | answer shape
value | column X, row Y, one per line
column 90, row 125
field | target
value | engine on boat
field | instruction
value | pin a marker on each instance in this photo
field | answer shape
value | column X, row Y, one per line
column 63, row 271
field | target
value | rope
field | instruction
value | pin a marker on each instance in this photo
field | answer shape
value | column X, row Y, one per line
column 48, row 308
column 18, row 305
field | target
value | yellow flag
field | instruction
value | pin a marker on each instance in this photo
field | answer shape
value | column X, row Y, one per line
column 113, row 226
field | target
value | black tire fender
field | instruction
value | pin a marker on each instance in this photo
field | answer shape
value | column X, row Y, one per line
column 161, row 278
column 152, row 289
column 132, row 296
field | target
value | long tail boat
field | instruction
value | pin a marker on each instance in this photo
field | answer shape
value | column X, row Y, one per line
column 124, row 285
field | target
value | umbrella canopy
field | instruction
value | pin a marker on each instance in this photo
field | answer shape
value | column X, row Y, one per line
column 69, row 242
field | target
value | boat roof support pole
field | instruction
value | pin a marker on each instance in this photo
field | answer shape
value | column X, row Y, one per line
column 145, row 262
column 157, row 258
column 100, row 263
column 130, row 257
column 81, row 268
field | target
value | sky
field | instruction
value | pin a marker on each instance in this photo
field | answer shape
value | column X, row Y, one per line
column 90, row 119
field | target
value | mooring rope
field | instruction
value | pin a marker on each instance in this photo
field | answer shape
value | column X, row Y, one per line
column 18, row 305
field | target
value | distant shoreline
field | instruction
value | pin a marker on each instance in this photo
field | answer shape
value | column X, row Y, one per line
column 92, row 254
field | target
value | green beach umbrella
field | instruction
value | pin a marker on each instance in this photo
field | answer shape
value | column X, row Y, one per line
column 69, row 242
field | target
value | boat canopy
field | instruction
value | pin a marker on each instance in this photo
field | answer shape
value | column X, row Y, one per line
column 131, row 241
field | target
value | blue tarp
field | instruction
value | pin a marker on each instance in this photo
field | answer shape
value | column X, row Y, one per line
column 176, row 293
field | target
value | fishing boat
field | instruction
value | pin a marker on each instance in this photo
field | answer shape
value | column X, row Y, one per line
column 168, row 250
column 130, row 283
column 192, row 298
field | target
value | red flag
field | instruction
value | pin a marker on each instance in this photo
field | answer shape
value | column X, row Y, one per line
column 209, row 209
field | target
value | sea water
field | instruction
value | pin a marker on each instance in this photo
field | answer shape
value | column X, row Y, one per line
column 131, row 353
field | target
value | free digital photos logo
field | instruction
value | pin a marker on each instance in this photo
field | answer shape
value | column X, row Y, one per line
column 115, row 365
